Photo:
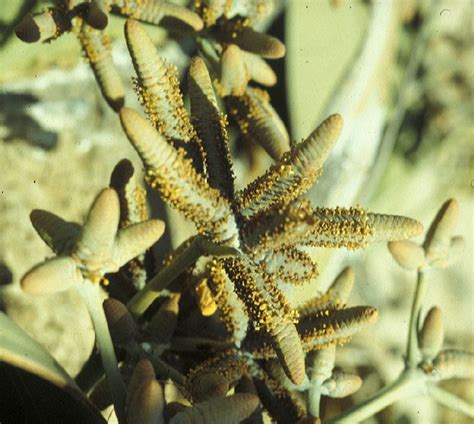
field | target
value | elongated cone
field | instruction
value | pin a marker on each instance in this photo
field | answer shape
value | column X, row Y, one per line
column 158, row 86
column 258, row 121
column 178, row 182
column 211, row 126
column 334, row 326
column 96, row 47
column 293, row 173
column 142, row 373
column 430, row 337
column 283, row 405
column 155, row 11
column 54, row 275
column 407, row 254
column 341, row 384
column 353, row 228
column 271, row 313
column 287, row 346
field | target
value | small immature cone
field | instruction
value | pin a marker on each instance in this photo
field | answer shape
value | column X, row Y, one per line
column 341, row 384
column 43, row 26
column 455, row 250
column 453, row 363
column 207, row 386
column 256, row 42
column 234, row 77
column 98, row 232
column 143, row 373
column 163, row 323
column 57, row 233
column 430, row 337
column 407, row 254
column 52, row 276
column 258, row 69
column 438, row 238
column 121, row 325
column 147, row 404
column 136, row 238
column 96, row 16
column 231, row 409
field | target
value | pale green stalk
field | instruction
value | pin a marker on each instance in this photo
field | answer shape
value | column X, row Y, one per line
column 90, row 292
column 413, row 352
column 314, row 400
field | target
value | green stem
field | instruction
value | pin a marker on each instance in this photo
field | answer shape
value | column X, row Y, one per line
column 314, row 400
column 91, row 294
column 408, row 383
column 413, row 352
column 451, row 401
column 198, row 247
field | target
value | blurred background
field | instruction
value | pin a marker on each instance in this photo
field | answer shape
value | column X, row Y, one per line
column 400, row 73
